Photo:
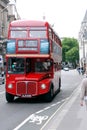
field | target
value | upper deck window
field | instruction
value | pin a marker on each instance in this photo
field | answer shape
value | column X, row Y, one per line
column 18, row 34
column 24, row 32
column 18, row 28
column 57, row 49
column 44, row 46
column 38, row 32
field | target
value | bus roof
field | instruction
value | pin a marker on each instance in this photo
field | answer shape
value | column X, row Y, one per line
column 32, row 23
column 25, row 23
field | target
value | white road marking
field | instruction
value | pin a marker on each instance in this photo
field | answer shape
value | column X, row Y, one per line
column 64, row 100
column 47, row 108
column 37, row 119
column 68, row 104
column 39, row 111
column 44, row 109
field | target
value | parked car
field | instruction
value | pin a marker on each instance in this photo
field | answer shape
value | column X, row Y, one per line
column 66, row 68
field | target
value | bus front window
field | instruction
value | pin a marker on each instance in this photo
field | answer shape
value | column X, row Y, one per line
column 16, row 65
column 42, row 66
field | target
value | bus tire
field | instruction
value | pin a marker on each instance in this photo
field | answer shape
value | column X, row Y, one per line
column 9, row 97
column 59, row 85
column 50, row 94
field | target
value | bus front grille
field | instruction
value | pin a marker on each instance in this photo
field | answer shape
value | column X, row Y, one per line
column 21, row 88
column 31, row 88
column 27, row 88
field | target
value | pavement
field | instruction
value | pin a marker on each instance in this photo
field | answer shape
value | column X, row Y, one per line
column 70, row 116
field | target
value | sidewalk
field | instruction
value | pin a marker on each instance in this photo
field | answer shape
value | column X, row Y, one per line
column 71, row 116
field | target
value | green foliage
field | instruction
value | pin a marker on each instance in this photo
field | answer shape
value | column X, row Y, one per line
column 70, row 50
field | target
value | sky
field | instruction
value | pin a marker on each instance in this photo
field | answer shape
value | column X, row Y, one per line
column 65, row 15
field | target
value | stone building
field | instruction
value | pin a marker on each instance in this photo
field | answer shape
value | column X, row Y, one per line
column 3, row 17
column 8, row 13
column 83, row 43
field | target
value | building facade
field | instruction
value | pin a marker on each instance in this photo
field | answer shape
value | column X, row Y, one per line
column 3, row 17
column 83, row 43
column 8, row 13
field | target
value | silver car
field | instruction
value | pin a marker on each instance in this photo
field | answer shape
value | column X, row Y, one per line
column 66, row 68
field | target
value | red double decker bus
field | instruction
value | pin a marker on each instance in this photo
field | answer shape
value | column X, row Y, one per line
column 34, row 54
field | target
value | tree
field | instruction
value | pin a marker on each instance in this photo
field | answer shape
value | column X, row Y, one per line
column 70, row 50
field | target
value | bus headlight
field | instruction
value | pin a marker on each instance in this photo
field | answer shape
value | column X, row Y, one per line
column 10, row 86
column 43, row 86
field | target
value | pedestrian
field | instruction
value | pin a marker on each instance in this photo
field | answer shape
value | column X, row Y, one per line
column 83, row 94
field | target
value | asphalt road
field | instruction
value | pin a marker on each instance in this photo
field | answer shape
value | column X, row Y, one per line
column 33, row 114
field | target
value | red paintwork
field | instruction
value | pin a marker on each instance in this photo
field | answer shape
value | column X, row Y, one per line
column 33, row 79
column 28, row 23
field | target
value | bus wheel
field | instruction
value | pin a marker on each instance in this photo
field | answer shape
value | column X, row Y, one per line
column 59, row 85
column 9, row 97
column 49, row 95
